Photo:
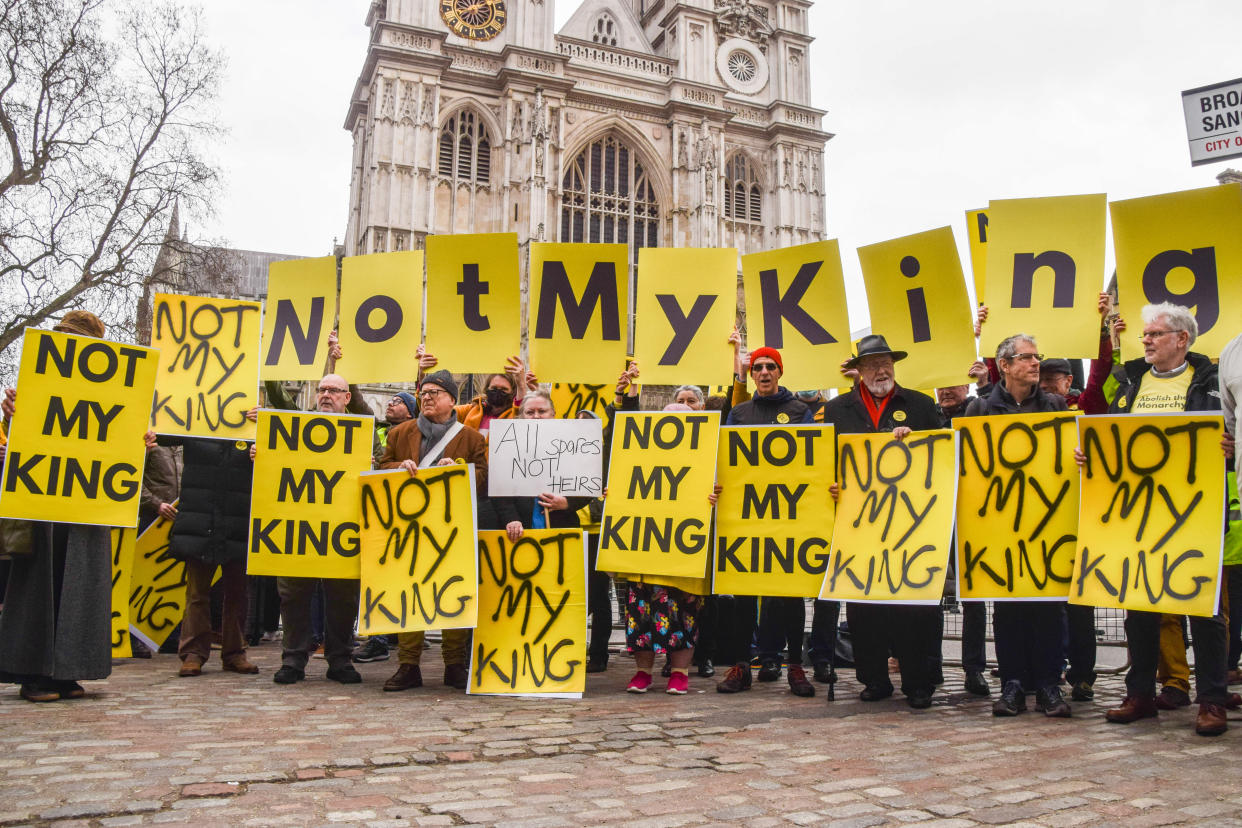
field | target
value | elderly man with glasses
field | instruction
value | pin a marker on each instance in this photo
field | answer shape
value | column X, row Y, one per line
column 1171, row 378
column 435, row 438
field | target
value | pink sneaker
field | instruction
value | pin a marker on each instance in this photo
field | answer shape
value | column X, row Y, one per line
column 678, row 684
column 639, row 683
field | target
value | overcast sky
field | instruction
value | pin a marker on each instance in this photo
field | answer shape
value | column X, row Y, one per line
column 937, row 107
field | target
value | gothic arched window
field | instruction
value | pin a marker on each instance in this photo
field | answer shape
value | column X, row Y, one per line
column 606, row 196
column 743, row 196
column 465, row 153
column 605, row 32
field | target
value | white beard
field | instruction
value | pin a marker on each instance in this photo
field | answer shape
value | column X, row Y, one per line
column 881, row 389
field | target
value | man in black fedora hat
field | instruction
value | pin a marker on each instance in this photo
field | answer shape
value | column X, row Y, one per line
column 909, row 632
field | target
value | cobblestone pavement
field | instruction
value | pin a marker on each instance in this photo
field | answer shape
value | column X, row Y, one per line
column 223, row 749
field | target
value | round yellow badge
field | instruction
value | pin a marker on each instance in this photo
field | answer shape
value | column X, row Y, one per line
column 782, row 418
column 241, row 445
column 1121, row 403
column 899, row 416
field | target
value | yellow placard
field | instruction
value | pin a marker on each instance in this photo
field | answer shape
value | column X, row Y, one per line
column 657, row 518
column 977, row 238
column 75, row 450
column 531, row 635
column 774, row 515
column 1017, row 506
column 419, row 558
column 687, row 301
column 570, row 398
column 579, row 309
column 1184, row 248
column 918, row 301
column 1152, row 513
column 381, row 322
column 890, row 541
column 474, row 301
column 156, row 587
column 209, row 366
column 795, row 302
column 301, row 306
column 304, row 507
column 123, row 542
column 1045, row 270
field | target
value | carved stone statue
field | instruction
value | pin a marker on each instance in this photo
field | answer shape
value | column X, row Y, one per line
column 705, row 148
column 683, row 154
column 539, row 117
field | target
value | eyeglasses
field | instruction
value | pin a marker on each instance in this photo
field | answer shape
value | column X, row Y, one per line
column 1146, row 335
column 430, row 393
column 327, row 389
column 763, row 366
column 1026, row 357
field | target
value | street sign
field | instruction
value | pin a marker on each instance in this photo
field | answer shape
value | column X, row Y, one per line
column 1214, row 122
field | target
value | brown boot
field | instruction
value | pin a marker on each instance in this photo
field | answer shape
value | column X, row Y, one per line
column 241, row 664
column 455, row 675
column 407, row 676
column 1132, row 709
column 1211, row 720
column 191, row 666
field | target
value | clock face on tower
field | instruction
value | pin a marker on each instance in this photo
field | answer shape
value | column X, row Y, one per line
column 474, row 19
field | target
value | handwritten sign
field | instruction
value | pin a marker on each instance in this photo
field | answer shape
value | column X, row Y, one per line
column 75, row 451
column 123, row 542
column 657, row 517
column 531, row 457
column 304, row 503
column 570, row 398
column 1017, row 506
column 531, row 632
column 208, row 368
column 890, row 541
column 774, row 515
column 1152, row 513
column 420, row 560
column 156, row 588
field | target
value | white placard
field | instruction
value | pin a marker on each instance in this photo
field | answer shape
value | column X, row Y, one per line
column 531, row 457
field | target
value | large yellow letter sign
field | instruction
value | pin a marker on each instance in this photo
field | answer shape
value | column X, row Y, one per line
column 686, row 305
column 381, row 321
column 474, row 301
column 301, row 303
column 1151, row 522
column 75, row 452
column 977, row 237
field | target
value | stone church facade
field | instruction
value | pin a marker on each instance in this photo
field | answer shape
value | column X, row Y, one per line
column 652, row 123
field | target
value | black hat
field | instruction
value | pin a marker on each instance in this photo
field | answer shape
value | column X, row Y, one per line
column 442, row 379
column 1055, row 366
column 874, row 345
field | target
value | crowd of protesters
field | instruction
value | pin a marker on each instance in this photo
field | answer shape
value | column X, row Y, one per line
column 54, row 627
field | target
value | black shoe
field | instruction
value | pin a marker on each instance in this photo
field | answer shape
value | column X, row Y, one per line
column 288, row 675
column 977, row 685
column 1051, row 703
column 1012, row 700
column 919, row 699
column 596, row 665
column 872, row 693
column 667, row 669
column 345, row 674
column 824, row 674
column 1082, row 691
column 770, row 671
column 374, row 649
column 707, row 669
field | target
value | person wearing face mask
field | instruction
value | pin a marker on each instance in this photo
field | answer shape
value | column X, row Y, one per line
column 910, row 632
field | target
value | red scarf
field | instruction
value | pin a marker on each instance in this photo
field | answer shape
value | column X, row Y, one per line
column 875, row 408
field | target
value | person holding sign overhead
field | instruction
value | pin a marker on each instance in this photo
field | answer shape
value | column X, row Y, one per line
column 434, row 438
column 909, row 632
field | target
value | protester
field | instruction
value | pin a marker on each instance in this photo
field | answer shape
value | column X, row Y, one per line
column 340, row 595
column 781, row 620
column 210, row 532
column 1170, row 377
column 1230, row 380
column 56, row 628
column 435, row 438
column 161, row 485
column 910, row 632
column 1028, row 634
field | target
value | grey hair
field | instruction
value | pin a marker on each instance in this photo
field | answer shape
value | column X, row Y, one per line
column 1178, row 317
column 541, row 394
column 693, row 389
column 1009, row 346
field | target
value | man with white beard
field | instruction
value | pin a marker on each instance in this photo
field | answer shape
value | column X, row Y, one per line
column 909, row 632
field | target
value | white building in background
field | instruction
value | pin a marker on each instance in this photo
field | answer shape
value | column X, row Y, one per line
column 647, row 122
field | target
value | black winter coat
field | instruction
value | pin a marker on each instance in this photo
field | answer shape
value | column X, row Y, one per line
column 999, row 401
column 1202, row 395
column 768, row 410
column 848, row 414
column 213, row 516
